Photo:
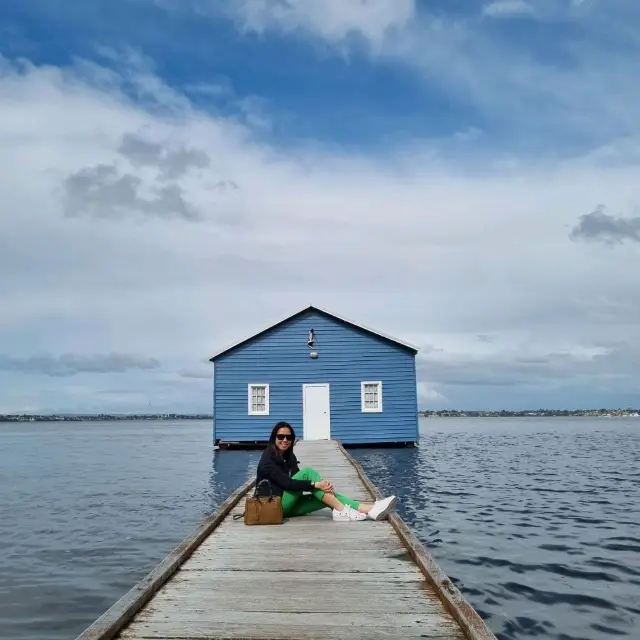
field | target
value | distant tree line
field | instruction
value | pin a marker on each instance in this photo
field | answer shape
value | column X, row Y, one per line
column 538, row 413
column 29, row 417
column 442, row 413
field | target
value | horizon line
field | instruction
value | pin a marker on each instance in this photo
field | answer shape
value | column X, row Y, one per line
column 210, row 415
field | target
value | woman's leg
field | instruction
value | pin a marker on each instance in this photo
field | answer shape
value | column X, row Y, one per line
column 302, row 506
column 295, row 503
column 354, row 504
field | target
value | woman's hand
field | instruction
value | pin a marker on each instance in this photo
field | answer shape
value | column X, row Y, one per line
column 324, row 485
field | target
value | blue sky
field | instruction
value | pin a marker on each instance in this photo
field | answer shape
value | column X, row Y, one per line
column 177, row 175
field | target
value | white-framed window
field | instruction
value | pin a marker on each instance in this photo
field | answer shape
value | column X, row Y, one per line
column 371, row 396
column 258, row 400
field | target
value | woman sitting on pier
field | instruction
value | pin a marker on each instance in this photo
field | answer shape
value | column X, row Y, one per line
column 279, row 465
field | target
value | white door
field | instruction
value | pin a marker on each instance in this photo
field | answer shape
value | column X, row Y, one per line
column 316, row 413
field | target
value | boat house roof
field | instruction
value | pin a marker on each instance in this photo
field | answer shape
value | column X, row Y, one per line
column 388, row 338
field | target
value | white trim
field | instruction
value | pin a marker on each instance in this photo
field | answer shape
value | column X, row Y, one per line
column 251, row 386
column 312, row 307
column 305, row 386
column 377, row 409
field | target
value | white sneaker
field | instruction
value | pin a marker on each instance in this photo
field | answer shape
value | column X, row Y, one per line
column 348, row 514
column 382, row 508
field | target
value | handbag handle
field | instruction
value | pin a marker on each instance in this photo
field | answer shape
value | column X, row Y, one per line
column 255, row 492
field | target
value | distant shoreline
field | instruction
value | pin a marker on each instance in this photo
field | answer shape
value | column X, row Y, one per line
column 538, row 413
column 101, row 417
column 448, row 413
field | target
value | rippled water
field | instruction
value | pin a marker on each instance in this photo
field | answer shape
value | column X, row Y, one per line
column 87, row 509
column 538, row 521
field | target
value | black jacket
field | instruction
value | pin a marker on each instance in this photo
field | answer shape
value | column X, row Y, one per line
column 278, row 470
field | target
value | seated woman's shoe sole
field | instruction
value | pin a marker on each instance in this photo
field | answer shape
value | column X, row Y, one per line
column 387, row 510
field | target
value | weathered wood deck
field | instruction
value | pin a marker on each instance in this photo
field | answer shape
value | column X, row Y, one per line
column 309, row 578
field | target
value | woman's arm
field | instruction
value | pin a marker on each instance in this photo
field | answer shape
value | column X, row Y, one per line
column 274, row 473
column 323, row 485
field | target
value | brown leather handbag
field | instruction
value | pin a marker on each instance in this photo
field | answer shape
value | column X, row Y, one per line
column 262, row 509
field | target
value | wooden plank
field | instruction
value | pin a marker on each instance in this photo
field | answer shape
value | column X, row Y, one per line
column 345, row 561
column 309, row 578
column 369, row 597
column 230, row 625
column 349, row 540
column 306, row 524
column 463, row 613
column 380, row 557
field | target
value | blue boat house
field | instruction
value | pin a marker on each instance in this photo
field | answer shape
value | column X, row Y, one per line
column 330, row 378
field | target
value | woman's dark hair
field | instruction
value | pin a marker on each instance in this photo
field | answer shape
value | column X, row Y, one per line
column 272, row 439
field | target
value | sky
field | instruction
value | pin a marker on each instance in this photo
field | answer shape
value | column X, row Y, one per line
column 179, row 174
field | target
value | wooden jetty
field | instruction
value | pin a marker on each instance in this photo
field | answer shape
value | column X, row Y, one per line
column 310, row 578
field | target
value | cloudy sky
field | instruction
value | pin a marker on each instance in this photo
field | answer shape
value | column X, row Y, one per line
column 177, row 174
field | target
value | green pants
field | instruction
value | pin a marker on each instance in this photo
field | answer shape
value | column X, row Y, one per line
column 295, row 503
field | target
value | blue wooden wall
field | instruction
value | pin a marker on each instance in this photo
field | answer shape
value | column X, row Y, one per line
column 347, row 356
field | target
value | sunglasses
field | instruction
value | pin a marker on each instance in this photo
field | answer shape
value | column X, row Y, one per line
column 284, row 436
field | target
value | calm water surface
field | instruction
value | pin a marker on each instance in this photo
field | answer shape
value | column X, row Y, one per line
column 537, row 521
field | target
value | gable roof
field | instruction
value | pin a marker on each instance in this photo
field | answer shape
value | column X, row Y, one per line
column 323, row 312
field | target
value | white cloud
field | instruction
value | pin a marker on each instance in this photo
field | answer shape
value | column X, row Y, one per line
column 333, row 20
column 427, row 395
column 507, row 8
column 576, row 86
column 418, row 244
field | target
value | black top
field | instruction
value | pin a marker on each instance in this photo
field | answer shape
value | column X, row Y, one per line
column 278, row 470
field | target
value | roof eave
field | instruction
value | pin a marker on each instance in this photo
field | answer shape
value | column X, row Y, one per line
column 400, row 343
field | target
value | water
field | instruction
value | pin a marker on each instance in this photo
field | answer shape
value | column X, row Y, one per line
column 536, row 520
